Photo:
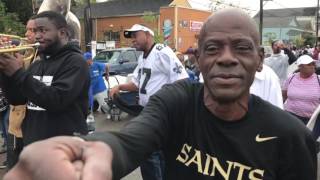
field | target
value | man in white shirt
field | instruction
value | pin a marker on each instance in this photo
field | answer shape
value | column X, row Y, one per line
column 266, row 85
column 278, row 61
column 157, row 66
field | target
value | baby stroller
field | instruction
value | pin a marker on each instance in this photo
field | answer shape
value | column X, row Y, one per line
column 124, row 101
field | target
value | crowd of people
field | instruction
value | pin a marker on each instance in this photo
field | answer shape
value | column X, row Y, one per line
column 222, row 110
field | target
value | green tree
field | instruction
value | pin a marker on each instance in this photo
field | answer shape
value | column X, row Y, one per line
column 151, row 18
column 309, row 39
column 22, row 8
column 9, row 22
column 80, row 3
column 298, row 41
column 270, row 36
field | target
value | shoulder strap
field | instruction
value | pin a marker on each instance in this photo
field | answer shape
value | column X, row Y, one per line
column 318, row 80
column 293, row 77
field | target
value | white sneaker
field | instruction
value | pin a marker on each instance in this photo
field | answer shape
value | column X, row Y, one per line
column 90, row 118
column 90, row 123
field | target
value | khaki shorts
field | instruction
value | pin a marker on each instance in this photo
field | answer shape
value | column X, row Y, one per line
column 17, row 114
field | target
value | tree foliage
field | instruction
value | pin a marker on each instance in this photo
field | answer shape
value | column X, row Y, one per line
column 151, row 18
column 22, row 8
column 270, row 36
column 10, row 22
column 299, row 42
column 81, row 3
column 309, row 39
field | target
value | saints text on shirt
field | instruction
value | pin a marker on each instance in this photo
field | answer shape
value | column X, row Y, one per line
column 210, row 165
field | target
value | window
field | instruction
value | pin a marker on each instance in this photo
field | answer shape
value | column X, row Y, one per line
column 129, row 55
column 113, row 56
column 101, row 57
column 107, row 56
column 111, row 36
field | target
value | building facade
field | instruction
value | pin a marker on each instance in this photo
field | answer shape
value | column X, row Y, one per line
column 175, row 24
column 180, row 26
column 289, row 25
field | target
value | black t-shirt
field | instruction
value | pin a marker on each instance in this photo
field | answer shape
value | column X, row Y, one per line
column 267, row 143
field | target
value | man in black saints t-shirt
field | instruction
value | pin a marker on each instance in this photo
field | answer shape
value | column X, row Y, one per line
column 215, row 130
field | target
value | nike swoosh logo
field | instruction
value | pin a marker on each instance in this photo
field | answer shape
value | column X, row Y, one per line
column 263, row 139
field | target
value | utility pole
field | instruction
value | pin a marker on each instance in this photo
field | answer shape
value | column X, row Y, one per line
column 317, row 22
column 88, row 26
column 261, row 20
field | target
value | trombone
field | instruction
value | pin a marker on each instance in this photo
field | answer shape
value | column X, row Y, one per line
column 29, row 51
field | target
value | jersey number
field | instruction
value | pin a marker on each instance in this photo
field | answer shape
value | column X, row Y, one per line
column 147, row 73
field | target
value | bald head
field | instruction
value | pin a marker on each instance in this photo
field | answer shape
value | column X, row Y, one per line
column 231, row 20
column 229, row 55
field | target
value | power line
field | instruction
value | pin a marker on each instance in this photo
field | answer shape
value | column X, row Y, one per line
column 284, row 7
column 296, row 12
column 217, row 3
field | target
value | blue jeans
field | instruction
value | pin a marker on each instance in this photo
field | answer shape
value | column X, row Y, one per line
column 90, row 94
column 14, row 148
column 153, row 167
column 4, row 124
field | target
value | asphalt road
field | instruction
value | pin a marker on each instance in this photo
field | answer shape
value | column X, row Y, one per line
column 102, row 124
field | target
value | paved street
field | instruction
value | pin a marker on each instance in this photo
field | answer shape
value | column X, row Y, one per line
column 102, row 124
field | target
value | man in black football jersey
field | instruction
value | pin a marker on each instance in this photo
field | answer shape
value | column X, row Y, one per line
column 215, row 130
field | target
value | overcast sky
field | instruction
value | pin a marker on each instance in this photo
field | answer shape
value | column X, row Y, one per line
column 254, row 5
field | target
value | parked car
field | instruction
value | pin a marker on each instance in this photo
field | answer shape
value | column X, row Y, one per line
column 120, row 60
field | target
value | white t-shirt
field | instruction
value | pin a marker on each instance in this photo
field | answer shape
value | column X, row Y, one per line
column 266, row 85
column 161, row 66
column 279, row 64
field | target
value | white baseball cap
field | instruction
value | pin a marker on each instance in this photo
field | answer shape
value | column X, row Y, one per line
column 135, row 28
column 304, row 59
